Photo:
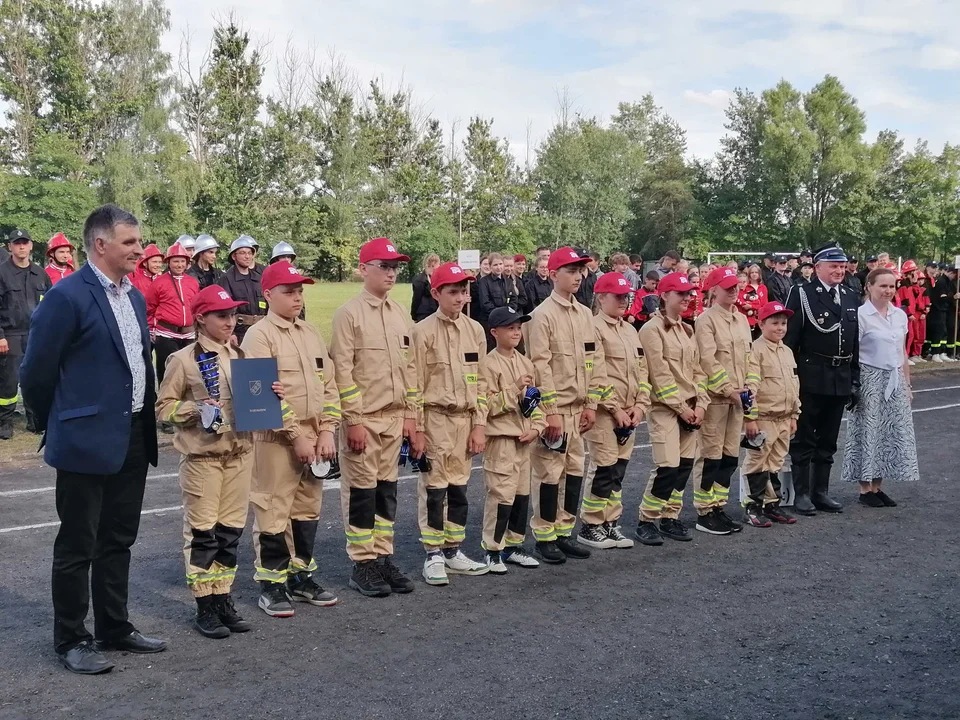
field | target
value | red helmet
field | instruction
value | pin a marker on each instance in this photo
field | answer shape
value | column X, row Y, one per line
column 57, row 241
column 150, row 251
column 908, row 266
column 176, row 250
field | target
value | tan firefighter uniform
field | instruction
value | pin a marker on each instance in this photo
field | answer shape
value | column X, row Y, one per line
column 506, row 462
column 377, row 381
column 285, row 496
column 562, row 346
column 772, row 376
column 450, row 358
column 625, row 370
column 677, row 381
column 723, row 341
column 215, row 468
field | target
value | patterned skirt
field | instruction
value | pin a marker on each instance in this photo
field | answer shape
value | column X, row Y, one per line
column 880, row 441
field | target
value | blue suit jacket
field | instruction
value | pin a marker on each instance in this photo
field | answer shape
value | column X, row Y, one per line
column 75, row 378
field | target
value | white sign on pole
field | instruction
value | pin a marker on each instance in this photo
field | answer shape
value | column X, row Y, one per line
column 956, row 262
column 469, row 259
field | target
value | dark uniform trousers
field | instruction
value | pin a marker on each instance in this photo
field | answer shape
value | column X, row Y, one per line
column 10, row 379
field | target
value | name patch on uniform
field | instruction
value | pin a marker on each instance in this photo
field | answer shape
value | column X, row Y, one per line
column 639, row 352
column 590, row 347
column 319, row 363
column 471, row 357
column 406, row 341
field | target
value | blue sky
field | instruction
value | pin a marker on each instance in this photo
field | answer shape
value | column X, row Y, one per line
column 509, row 59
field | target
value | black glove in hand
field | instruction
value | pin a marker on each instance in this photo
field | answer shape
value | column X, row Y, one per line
column 854, row 399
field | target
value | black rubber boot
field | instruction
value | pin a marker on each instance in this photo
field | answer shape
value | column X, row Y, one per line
column 801, row 488
column 821, row 486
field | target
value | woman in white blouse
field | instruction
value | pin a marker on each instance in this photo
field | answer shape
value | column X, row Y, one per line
column 880, row 440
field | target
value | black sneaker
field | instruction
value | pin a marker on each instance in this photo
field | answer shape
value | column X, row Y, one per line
column 756, row 517
column 274, row 600
column 731, row 524
column 398, row 582
column 569, row 547
column 302, row 588
column 207, row 621
column 229, row 616
column 648, row 534
column 367, row 579
column 885, row 499
column 709, row 523
column 778, row 515
column 6, row 432
column 595, row 536
column 871, row 499
column 674, row 529
column 550, row 553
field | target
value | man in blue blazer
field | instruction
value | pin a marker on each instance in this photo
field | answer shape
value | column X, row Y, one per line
column 88, row 376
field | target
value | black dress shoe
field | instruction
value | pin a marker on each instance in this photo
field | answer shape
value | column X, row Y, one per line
column 134, row 643
column 803, row 506
column 84, row 660
column 826, row 504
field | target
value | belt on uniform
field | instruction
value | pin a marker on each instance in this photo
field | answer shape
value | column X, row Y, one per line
column 184, row 330
column 835, row 360
column 249, row 319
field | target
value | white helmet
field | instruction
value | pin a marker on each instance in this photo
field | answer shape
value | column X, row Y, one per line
column 186, row 242
column 204, row 243
column 282, row 249
column 244, row 241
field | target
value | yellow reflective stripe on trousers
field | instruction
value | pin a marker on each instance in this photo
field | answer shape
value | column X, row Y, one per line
column 277, row 576
column 383, row 528
column 431, row 537
column 12, row 401
column 296, row 565
column 594, row 503
column 548, row 535
column 359, row 538
column 651, row 502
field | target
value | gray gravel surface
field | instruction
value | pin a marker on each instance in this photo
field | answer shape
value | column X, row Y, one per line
column 849, row 616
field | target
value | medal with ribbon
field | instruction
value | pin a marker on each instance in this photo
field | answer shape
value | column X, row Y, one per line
column 210, row 416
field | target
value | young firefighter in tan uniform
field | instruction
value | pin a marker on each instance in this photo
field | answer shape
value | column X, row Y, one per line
column 772, row 377
column 622, row 406
column 216, row 464
column 450, row 353
column 723, row 340
column 377, row 378
column 679, row 395
column 286, row 497
column 561, row 342
column 506, row 459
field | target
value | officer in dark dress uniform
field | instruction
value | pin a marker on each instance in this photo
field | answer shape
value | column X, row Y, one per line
column 824, row 336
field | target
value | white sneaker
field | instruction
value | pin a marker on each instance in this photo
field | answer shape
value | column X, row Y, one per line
column 937, row 359
column 434, row 570
column 518, row 556
column 910, row 362
column 918, row 359
column 460, row 564
column 495, row 563
column 947, row 358
column 613, row 532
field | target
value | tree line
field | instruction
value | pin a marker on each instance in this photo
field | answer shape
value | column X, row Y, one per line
column 96, row 111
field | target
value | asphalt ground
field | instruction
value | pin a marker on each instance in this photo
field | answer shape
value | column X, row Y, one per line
column 849, row 616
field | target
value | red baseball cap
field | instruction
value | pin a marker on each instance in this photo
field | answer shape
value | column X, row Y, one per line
column 380, row 249
column 676, row 282
column 721, row 277
column 774, row 308
column 612, row 282
column 282, row 273
column 449, row 274
column 565, row 256
column 213, row 298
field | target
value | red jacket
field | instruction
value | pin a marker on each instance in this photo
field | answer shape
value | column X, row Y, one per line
column 750, row 300
column 909, row 298
column 141, row 279
column 696, row 304
column 636, row 308
column 165, row 303
column 57, row 273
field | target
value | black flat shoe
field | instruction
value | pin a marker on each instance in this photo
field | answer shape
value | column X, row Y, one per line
column 134, row 643
column 870, row 499
column 84, row 660
column 885, row 499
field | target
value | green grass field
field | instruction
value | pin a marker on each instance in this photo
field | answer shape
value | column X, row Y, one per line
column 324, row 298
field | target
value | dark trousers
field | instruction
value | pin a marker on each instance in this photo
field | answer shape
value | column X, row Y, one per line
column 817, row 429
column 164, row 347
column 10, row 377
column 99, row 520
column 937, row 333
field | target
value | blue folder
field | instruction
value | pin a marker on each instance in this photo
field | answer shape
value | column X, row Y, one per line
column 255, row 405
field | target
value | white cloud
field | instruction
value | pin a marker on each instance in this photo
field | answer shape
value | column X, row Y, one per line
column 491, row 57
